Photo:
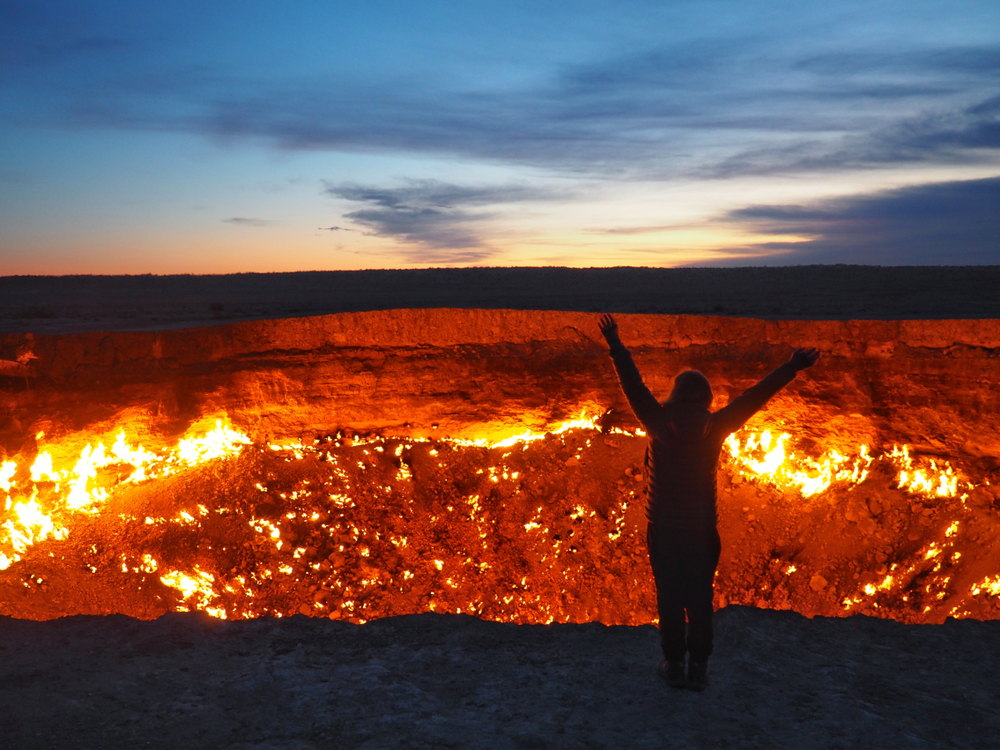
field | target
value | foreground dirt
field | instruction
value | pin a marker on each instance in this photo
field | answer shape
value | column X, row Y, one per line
column 66, row 304
column 448, row 681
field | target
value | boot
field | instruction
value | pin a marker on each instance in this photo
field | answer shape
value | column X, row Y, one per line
column 697, row 675
column 672, row 672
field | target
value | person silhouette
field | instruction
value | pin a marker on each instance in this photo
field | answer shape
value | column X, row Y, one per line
column 682, row 455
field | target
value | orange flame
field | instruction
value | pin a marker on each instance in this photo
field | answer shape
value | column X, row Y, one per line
column 767, row 457
column 76, row 490
column 44, row 507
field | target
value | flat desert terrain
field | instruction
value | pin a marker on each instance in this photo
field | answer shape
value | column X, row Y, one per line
column 451, row 681
column 66, row 304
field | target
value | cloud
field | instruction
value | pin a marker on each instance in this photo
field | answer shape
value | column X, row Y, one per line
column 946, row 223
column 671, row 110
column 336, row 229
column 717, row 106
column 651, row 229
column 969, row 135
column 446, row 222
column 700, row 89
column 248, row 222
column 973, row 59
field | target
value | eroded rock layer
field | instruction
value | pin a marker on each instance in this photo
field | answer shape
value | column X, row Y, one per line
column 394, row 462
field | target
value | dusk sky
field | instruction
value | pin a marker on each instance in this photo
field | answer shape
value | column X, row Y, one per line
column 218, row 137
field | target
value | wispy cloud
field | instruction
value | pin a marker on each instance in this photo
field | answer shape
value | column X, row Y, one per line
column 717, row 106
column 948, row 223
column 446, row 222
column 972, row 59
column 36, row 34
column 244, row 221
column 652, row 229
column 968, row 135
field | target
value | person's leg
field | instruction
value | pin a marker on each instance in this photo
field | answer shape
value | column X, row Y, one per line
column 663, row 559
column 702, row 559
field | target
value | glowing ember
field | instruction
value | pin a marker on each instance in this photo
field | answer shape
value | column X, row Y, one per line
column 989, row 585
column 196, row 591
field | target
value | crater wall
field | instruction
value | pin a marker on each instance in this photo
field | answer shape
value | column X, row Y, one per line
column 403, row 371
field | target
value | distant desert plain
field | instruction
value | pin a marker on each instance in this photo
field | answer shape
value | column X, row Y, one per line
column 67, row 304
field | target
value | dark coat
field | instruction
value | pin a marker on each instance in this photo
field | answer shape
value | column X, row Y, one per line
column 684, row 444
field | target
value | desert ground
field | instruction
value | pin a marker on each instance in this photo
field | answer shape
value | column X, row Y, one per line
column 778, row 679
column 451, row 681
column 66, row 304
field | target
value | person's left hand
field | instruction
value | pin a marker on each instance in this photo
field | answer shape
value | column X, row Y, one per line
column 803, row 358
column 610, row 329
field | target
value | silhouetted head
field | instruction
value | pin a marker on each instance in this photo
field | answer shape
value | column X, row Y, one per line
column 691, row 387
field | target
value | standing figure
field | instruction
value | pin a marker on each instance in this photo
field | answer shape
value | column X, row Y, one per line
column 682, row 456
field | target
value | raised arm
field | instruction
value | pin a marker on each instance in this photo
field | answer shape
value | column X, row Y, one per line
column 729, row 419
column 644, row 404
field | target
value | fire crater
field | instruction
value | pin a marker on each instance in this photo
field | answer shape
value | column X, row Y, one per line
column 506, row 511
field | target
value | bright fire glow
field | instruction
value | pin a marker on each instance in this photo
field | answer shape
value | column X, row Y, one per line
column 766, row 456
column 990, row 585
column 925, row 478
column 196, row 591
column 59, row 490
column 84, row 488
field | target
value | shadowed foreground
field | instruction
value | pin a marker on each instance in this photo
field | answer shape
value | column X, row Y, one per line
column 439, row 681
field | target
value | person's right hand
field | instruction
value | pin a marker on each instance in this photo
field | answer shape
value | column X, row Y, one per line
column 803, row 358
column 610, row 329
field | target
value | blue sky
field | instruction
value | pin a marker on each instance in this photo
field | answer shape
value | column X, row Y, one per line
column 218, row 137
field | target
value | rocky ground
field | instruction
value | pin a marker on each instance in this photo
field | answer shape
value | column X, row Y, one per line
column 450, row 681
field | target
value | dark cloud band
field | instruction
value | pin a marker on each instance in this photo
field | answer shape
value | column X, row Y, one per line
column 948, row 223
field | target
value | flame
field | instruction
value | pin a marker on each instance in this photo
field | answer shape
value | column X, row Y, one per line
column 196, row 591
column 78, row 490
column 765, row 456
column 7, row 471
column 221, row 442
column 926, row 479
column 58, row 491
column 42, row 468
column 587, row 419
column 27, row 526
column 583, row 422
column 990, row 585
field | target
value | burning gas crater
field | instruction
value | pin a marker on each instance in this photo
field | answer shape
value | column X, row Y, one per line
column 540, row 527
